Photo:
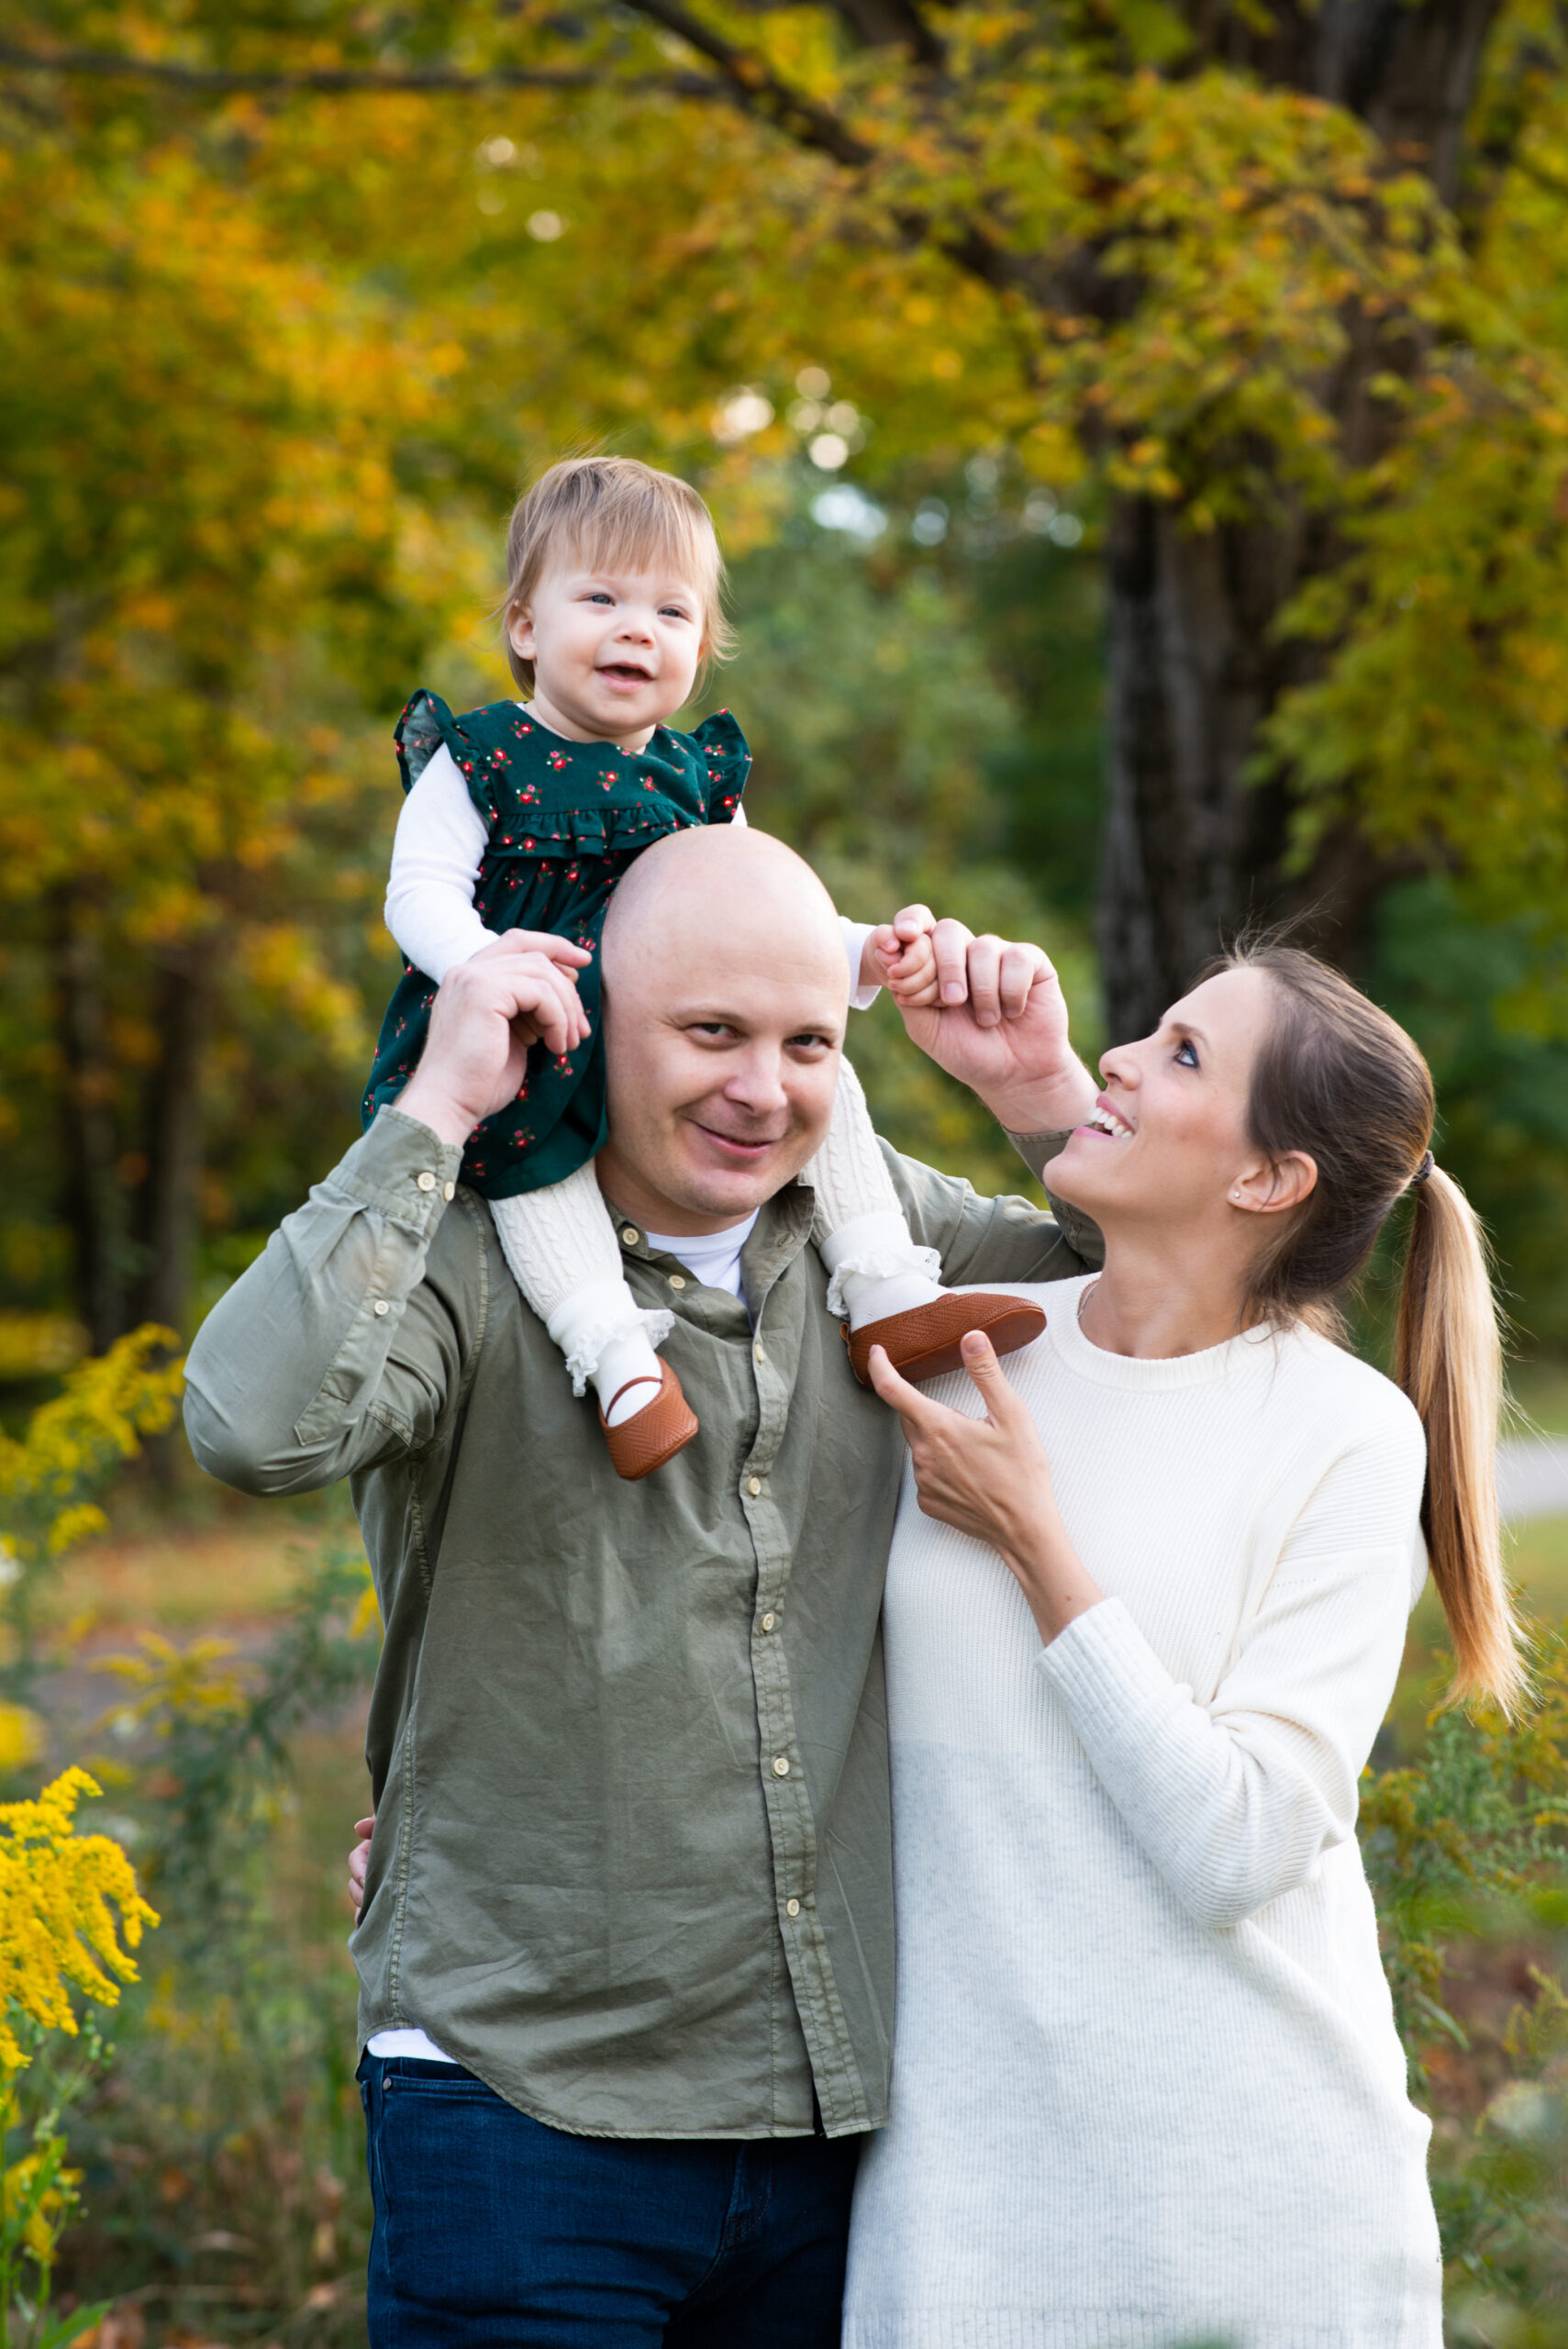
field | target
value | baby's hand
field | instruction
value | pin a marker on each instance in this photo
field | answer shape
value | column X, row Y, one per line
column 905, row 948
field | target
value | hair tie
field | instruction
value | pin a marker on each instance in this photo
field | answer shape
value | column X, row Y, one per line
column 1422, row 1170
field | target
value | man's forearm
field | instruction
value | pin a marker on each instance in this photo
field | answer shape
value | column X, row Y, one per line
column 1081, row 1234
column 290, row 1383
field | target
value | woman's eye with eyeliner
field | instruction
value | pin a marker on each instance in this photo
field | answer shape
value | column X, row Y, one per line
column 1187, row 1054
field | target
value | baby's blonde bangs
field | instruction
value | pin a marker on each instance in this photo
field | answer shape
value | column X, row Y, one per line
column 616, row 512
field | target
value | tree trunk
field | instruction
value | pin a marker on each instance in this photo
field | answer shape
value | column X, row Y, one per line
column 1190, row 850
column 95, row 1205
column 172, row 1195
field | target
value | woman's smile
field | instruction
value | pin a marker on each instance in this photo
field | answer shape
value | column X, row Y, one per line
column 1105, row 1117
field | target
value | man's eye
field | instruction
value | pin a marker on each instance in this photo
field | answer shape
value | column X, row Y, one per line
column 809, row 1043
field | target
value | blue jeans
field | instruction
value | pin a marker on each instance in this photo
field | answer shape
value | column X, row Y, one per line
column 492, row 2230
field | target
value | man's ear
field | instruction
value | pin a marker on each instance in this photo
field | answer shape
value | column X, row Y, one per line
column 1271, row 1185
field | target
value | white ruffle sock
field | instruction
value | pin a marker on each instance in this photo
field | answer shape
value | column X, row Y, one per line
column 858, row 1226
column 564, row 1256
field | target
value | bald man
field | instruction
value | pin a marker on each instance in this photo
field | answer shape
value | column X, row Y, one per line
column 626, row 1948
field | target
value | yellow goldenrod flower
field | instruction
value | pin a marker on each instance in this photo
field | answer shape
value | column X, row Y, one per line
column 74, row 1443
column 46, row 2212
column 21, row 1737
column 59, row 1892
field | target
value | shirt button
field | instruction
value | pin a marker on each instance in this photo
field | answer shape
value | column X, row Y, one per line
column 781, row 1765
column 629, row 1233
column 677, row 1280
column 768, row 1622
column 381, row 1306
column 757, row 1350
column 791, row 1908
column 753, row 1485
column 427, row 1181
column 449, row 1190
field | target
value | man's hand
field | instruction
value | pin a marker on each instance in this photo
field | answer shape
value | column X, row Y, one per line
column 358, row 1864
column 486, row 1014
column 563, row 952
column 1009, row 1041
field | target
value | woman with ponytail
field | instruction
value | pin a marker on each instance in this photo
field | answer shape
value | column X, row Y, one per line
column 1145, row 1609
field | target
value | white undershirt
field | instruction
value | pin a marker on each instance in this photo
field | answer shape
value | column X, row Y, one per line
column 713, row 1256
column 714, row 1259
column 436, row 857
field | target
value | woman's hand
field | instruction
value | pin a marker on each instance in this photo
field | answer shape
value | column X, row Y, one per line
column 991, row 1478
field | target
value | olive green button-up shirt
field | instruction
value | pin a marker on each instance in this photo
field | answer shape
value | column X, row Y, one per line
column 631, row 1861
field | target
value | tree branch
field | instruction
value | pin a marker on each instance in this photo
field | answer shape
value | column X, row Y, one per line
column 761, row 93
column 969, row 245
column 746, row 82
column 429, row 79
column 893, row 24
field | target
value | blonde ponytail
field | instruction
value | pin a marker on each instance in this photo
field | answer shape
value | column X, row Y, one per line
column 1448, row 1362
column 1337, row 1078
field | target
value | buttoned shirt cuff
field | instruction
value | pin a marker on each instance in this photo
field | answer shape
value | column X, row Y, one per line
column 855, row 934
column 1081, row 1234
column 403, row 1168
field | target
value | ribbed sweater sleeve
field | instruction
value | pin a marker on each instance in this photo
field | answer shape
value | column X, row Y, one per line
column 1234, row 1801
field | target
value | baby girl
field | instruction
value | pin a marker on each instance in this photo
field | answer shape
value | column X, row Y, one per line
column 520, row 817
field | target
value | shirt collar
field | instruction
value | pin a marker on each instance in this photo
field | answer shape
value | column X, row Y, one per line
column 781, row 1231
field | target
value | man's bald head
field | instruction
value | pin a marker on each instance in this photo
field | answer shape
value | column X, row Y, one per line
column 715, row 888
column 726, row 987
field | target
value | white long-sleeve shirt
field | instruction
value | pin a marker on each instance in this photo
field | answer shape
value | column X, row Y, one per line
column 1146, row 2089
column 436, row 857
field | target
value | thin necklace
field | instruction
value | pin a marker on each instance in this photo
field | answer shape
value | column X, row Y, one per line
column 1084, row 1296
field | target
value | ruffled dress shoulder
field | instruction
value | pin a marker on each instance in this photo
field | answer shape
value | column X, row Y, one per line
column 563, row 821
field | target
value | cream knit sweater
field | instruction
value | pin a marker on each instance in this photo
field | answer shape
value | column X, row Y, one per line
column 1147, row 2089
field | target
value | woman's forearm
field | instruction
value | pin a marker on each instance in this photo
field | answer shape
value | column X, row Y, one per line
column 1050, row 1573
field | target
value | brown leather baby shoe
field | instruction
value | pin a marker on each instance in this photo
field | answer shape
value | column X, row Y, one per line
column 925, row 1341
column 654, row 1434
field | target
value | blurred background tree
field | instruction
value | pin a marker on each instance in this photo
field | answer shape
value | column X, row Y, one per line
column 1139, row 432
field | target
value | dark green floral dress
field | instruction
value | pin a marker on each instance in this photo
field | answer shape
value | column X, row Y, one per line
column 566, row 820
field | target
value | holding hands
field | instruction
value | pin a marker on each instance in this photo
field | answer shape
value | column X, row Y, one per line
column 927, row 965
column 991, row 1011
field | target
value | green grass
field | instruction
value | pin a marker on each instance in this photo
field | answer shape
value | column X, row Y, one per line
column 1537, row 1560
column 1540, row 1393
